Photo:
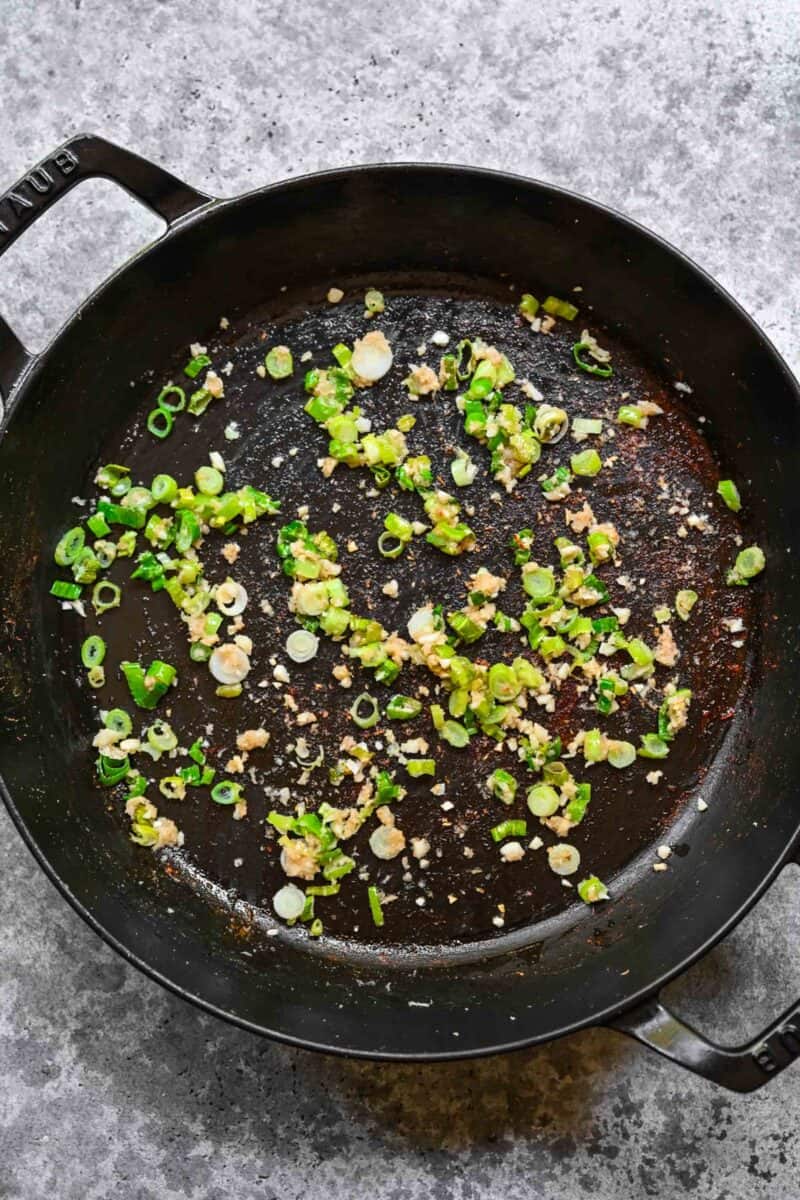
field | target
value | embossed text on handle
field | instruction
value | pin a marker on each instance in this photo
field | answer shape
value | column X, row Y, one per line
column 35, row 191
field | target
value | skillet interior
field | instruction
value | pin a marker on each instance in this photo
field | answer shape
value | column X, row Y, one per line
column 278, row 451
column 337, row 228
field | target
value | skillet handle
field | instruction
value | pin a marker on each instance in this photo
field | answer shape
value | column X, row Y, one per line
column 738, row 1068
column 82, row 157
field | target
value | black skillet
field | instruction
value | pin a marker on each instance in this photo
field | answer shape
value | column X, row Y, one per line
column 427, row 232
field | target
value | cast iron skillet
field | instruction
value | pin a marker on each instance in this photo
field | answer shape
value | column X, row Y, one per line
column 577, row 967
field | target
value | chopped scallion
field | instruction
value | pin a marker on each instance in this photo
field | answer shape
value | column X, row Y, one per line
column 729, row 492
column 375, row 907
column 279, row 362
column 508, row 829
column 417, row 767
column 403, row 708
column 226, row 792
column 602, row 370
column 591, row 890
column 65, row 591
column 560, row 308
column 105, row 595
column 93, row 651
column 70, row 547
column 587, row 462
column 372, row 716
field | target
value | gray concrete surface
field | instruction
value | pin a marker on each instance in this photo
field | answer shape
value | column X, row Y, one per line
column 684, row 115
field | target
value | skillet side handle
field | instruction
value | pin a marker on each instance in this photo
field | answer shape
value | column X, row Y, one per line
column 740, row 1068
column 82, row 157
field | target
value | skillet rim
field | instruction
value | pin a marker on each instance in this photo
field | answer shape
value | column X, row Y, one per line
column 207, row 210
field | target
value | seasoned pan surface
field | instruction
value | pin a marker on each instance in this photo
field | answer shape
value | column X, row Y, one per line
column 653, row 481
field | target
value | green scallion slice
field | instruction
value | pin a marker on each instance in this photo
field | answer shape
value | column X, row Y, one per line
column 621, row 754
column 542, row 800
column 417, row 767
column 162, row 737
column 403, row 708
column 528, row 306
column 69, row 547
column 591, row 890
column 749, row 563
column 507, row 829
column 629, row 414
column 105, row 595
column 195, row 365
column 586, row 425
column 653, row 746
column 279, row 362
column 209, row 481
column 96, row 676
column 163, row 489
column 600, row 370
column 390, row 545
column 729, row 492
column 66, row 591
column 118, row 720
column 226, row 792
column 169, row 405
column 685, row 601
column 502, row 785
column 160, row 422
column 375, row 907
column 560, row 308
column 93, row 651
column 586, row 462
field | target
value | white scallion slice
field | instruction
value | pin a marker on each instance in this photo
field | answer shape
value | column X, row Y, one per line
column 584, row 426
column 563, row 859
column 229, row 664
column 621, row 754
column 463, row 470
column 289, row 902
column 231, row 598
column 372, row 356
column 421, row 622
column 386, row 842
column 302, row 645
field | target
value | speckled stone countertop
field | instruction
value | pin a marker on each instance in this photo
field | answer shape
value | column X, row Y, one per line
column 683, row 115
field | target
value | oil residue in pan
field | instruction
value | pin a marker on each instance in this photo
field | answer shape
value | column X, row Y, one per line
column 650, row 483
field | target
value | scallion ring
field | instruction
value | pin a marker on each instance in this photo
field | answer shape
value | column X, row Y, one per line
column 289, row 902
column 105, row 595
column 542, row 800
column 302, row 645
column 601, row 370
column 118, row 720
column 172, row 787
column 389, row 545
column 229, row 665
column 160, row 422
column 162, row 737
column 163, row 489
column 231, row 598
column 209, row 481
column 171, row 390
column 621, row 754
column 96, row 677
column 373, row 716
column 70, row 546
column 279, row 362
column 93, row 651
column 563, row 859
column 226, row 792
